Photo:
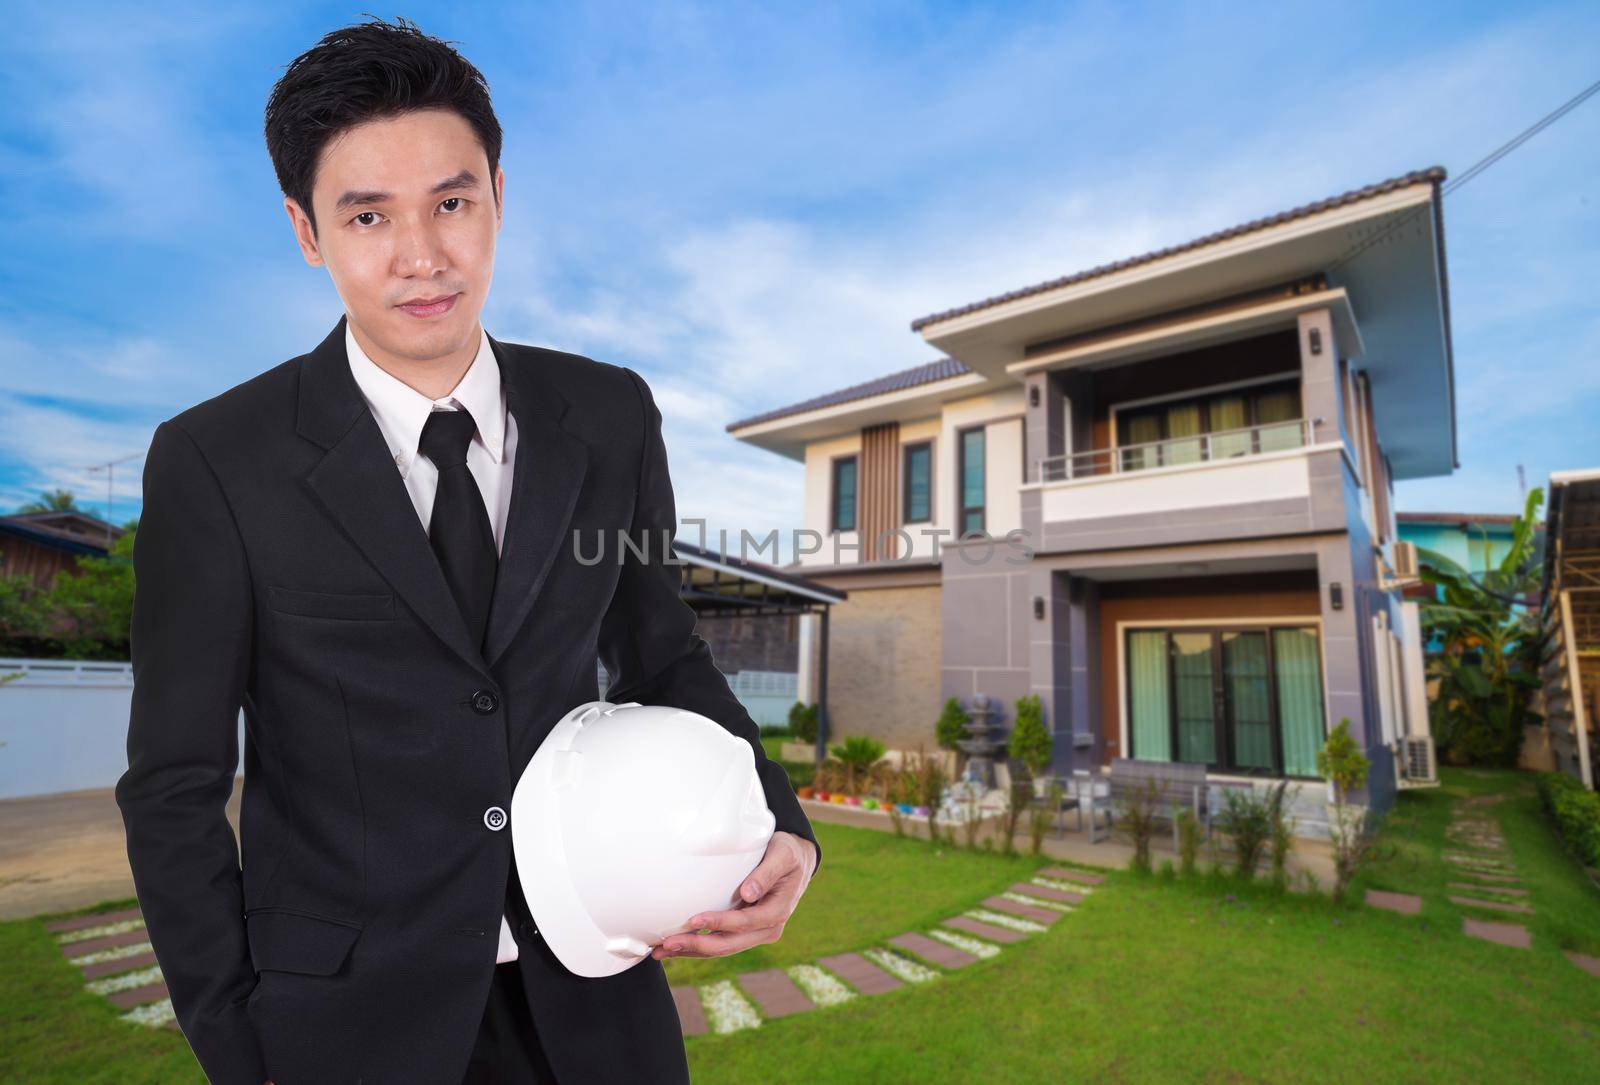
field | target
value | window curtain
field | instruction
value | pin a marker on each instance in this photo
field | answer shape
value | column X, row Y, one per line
column 972, row 481
column 844, row 514
column 1183, row 420
column 1244, row 658
column 1229, row 413
column 1147, row 687
column 1192, row 666
column 1140, row 429
column 1278, row 419
column 1299, row 674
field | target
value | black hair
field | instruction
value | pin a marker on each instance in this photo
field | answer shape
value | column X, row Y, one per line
column 364, row 72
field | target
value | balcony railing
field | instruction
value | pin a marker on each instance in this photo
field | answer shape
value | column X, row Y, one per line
column 1228, row 444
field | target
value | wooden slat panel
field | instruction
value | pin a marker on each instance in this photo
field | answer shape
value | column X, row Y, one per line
column 880, row 450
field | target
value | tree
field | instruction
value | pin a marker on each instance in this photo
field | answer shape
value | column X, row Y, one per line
column 1488, row 667
column 54, row 501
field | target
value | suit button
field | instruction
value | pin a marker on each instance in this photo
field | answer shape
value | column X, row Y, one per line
column 495, row 818
column 527, row 930
column 484, row 702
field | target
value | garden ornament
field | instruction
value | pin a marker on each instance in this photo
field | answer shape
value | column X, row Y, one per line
column 628, row 820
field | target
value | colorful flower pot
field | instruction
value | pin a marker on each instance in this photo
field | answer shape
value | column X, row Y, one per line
column 805, row 792
column 836, row 798
column 852, row 800
column 821, row 796
column 922, row 811
column 904, row 807
column 869, row 803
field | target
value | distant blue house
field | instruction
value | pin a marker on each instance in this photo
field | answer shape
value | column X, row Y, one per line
column 1476, row 541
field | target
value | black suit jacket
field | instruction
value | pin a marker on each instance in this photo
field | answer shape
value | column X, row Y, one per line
column 281, row 565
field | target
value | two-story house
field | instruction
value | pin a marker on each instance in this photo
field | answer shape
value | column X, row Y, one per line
column 1157, row 493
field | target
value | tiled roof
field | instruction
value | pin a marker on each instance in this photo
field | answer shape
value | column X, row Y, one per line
column 1433, row 175
column 894, row 382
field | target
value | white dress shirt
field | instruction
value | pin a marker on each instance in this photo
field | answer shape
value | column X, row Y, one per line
column 401, row 410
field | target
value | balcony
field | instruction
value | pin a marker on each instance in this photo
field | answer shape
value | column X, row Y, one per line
column 1268, row 479
column 1232, row 444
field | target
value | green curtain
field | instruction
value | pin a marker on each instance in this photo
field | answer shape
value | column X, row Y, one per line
column 1278, row 419
column 1244, row 661
column 1229, row 413
column 1299, row 674
column 1147, row 687
column 1192, row 672
column 1183, row 420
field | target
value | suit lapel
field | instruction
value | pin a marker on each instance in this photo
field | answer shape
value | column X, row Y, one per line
column 357, row 484
column 551, row 463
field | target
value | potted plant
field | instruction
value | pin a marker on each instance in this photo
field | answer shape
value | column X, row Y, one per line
column 1030, row 743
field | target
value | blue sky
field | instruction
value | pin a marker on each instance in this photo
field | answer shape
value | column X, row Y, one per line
column 749, row 205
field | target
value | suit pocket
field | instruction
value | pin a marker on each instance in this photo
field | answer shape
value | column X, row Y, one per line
column 351, row 606
column 298, row 941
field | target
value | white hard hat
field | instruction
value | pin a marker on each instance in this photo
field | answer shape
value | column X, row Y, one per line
column 629, row 820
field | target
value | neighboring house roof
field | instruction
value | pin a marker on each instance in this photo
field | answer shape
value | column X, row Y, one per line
column 1434, row 174
column 50, row 538
column 1462, row 519
column 893, row 382
column 71, row 524
column 793, row 584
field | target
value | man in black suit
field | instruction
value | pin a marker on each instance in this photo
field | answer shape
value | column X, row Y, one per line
column 370, row 548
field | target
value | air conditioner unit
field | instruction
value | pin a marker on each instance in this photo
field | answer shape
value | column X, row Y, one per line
column 1417, row 759
column 1405, row 560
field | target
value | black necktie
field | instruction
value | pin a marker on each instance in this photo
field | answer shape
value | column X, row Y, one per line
column 459, row 527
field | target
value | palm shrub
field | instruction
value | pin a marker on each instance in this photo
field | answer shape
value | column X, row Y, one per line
column 1341, row 763
column 1488, row 667
column 1039, row 815
column 858, row 753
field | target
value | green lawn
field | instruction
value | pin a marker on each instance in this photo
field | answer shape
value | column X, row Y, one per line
column 1150, row 980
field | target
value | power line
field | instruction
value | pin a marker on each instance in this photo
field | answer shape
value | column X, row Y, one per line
column 1475, row 169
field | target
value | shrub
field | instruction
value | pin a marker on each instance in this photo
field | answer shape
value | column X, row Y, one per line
column 1282, row 841
column 952, row 725
column 1341, row 762
column 1246, row 818
column 1039, row 815
column 1188, row 841
column 803, row 722
column 1576, row 811
column 1030, row 742
column 1139, row 813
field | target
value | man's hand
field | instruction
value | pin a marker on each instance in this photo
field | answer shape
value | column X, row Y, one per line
column 767, row 899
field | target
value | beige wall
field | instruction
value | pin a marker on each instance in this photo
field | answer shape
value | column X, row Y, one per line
column 883, row 665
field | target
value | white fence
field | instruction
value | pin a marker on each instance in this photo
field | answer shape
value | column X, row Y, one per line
column 64, row 722
column 64, row 725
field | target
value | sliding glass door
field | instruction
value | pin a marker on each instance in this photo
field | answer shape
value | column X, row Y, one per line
column 1246, row 700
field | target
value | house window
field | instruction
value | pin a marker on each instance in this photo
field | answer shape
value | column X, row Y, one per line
column 969, row 479
column 1245, row 700
column 1218, row 426
column 844, row 494
column 918, row 475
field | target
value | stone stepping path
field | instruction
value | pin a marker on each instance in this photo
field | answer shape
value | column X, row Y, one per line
column 112, row 950
column 775, row 992
column 1496, row 905
column 1404, row 903
column 1504, row 934
column 1488, row 880
column 913, row 957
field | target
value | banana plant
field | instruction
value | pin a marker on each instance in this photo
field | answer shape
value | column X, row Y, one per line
column 1492, row 642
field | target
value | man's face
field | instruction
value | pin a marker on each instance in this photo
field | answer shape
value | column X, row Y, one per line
column 406, row 213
